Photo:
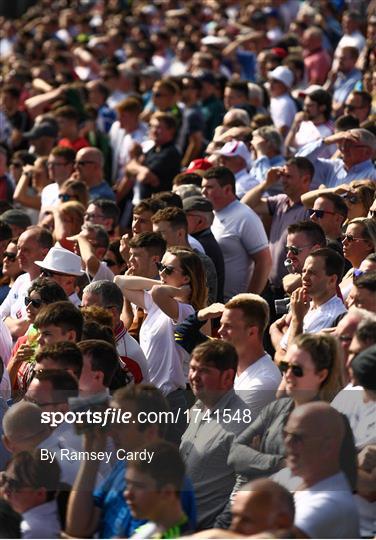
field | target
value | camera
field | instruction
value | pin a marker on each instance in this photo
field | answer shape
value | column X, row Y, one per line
column 282, row 306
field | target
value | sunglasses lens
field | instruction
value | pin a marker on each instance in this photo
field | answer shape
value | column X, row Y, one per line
column 283, row 366
column 297, row 371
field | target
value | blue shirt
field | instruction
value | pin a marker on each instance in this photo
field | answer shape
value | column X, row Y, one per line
column 260, row 168
column 344, row 85
column 101, row 191
column 116, row 518
column 332, row 172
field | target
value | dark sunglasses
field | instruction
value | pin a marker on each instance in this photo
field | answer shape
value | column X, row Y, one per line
column 296, row 370
column 168, row 270
column 64, row 197
column 51, row 273
column 353, row 199
column 35, row 303
column 295, row 250
column 319, row 213
column 11, row 256
column 12, row 483
column 109, row 262
column 350, row 238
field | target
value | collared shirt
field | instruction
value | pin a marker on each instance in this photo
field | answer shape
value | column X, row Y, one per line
column 332, row 172
column 257, row 385
column 318, row 318
column 344, row 85
column 244, row 182
column 204, row 448
column 260, row 168
column 284, row 214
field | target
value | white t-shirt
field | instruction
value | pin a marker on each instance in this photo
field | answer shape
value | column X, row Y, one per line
column 50, row 195
column 41, row 521
column 127, row 346
column 103, row 272
column 121, row 143
column 257, row 385
column 165, row 358
column 282, row 110
column 362, row 418
column 240, row 233
column 309, row 132
column 325, row 510
column 14, row 304
column 319, row 318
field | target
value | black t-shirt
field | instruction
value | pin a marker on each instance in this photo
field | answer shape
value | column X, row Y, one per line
column 212, row 250
column 164, row 162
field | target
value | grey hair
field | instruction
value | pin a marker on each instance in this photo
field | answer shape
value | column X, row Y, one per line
column 271, row 135
column 187, row 190
column 255, row 92
column 108, row 293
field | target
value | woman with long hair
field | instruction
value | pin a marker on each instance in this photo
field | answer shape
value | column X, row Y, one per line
column 358, row 242
column 180, row 292
column 312, row 370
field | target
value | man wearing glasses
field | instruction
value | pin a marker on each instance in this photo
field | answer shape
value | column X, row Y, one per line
column 60, row 167
column 89, row 168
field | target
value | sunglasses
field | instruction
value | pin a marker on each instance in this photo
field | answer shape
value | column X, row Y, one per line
column 10, row 256
column 90, row 216
column 351, row 198
column 350, row 238
column 65, row 197
column 35, row 303
column 296, row 370
column 168, row 270
column 12, row 483
column 51, row 273
column 45, row 404
column 17, row 164
column 372, row 214
column 109, row 262
column 319, row 213
column 296, row 250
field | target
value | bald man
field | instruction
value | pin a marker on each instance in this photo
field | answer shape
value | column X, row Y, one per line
column 89, row 168
column 262, row 505
column 324, row 504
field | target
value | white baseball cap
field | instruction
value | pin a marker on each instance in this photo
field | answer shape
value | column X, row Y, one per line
column 63, row 261
column 233, row 149
column 282, row 74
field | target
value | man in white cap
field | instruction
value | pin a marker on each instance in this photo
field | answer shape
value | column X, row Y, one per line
column 235, row 156
column 282, row 105
column 64, row 267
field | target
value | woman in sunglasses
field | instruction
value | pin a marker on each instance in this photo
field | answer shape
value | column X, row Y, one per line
column 11, row 269
column 358, row 242
column 359, row 197
column 43, row 291
column 180, row 292
column 312, row 370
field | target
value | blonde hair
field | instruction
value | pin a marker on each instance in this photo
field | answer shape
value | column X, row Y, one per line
column 254, row 308
column 74, row 210
column 325, row 354
column 192, row 267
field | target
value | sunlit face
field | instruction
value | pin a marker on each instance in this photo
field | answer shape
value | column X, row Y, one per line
column 33, row 307
column 17, row 492
column 28, row 250
column 314, row 278
column 250, row 514
column 11, row 264
column 300, row 241
column 207, row 382
column 234, row 328
column 355, row 247
column 311, row 108
column 171, row 234
column 327, row 217
column 142, row 222
column 50, row 334
column 142, row 263
column 173, row 275
column 364, row 298
column 216, row 194
column 307, row 386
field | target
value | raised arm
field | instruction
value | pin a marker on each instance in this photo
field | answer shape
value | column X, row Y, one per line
column 253, row 198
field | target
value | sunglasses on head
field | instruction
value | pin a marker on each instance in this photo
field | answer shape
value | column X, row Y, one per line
column 168, row 270
column 11, row 483
column 10, row 256
column 35, row 303
column 296, row 370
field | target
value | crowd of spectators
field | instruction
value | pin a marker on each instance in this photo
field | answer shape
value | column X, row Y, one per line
column 188, row 234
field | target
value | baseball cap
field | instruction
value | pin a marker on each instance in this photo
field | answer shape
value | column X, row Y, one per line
column 364, row 368
column 198, row 203
column 233, row 149
column 282, row 74
column 198, row 165
column 44, row 129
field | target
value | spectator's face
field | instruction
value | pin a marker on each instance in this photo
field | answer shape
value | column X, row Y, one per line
column 291, row 180
column 142, row 222
column 232, row 98
column 354, row 105
column 170, row 234
column 314, row 278
column 95, row 215
column 50, row 334
column 58, row 169
column 128, row 119
column 298, row 247
column 11, row 264
column 355, row 348
column 85, row 165
column 327, row 217
column 90, row 382
column 303, row 444
column 252, row 513
column 141, row 494
column 162, row 98
column 346, row 62
column 170, row 271
column 355, row 247
column 277, row 88
column 311, row 108
column 17, row 492
column 207, row 382
column 302, row 379
column 28, row 250
column 160, row 133
column 142, row 262
column 364, row 298
column 234, row 328
column 33, row 304
column 216, row 194
column 41, row 393
column 90, row 299
column 345, row 331
column 127, row 435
